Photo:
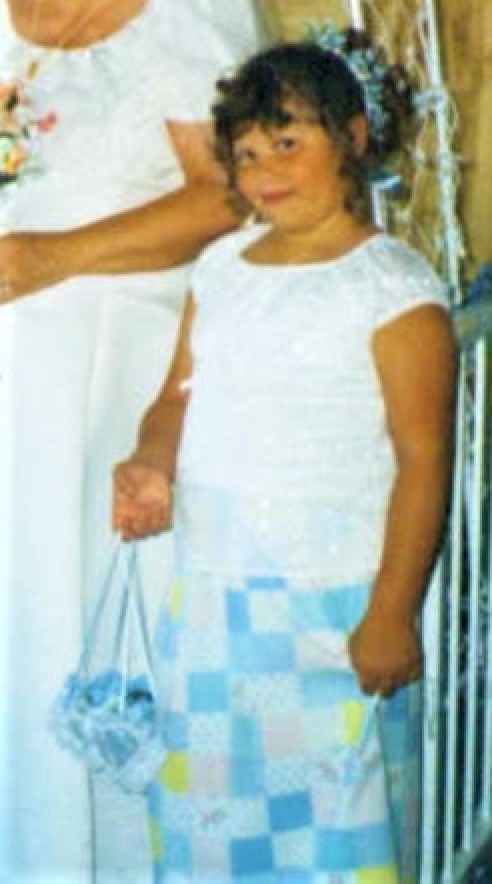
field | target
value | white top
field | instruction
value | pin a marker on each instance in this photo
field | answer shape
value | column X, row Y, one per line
column 286, row 422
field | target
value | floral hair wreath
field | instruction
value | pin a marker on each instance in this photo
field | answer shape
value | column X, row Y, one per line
column 372, row 72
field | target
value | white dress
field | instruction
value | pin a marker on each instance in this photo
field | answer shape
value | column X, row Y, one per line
column 280, row 770
column 78, row 364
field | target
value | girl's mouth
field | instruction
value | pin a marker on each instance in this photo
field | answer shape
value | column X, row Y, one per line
column 271, row 197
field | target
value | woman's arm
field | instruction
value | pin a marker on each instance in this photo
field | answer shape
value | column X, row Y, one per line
column 416, row 361
column 161, row 234
column 142, row 484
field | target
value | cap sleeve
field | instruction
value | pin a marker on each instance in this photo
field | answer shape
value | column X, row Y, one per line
column 406, row 281
column 203, row 40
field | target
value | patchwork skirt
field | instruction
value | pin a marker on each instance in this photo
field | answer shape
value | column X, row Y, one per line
column 279, row 769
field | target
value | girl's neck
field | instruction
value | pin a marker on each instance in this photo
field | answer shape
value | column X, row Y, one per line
column 71, row 24
column 331, row 239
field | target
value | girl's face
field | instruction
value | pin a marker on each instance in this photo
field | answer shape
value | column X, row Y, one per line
column 290, row 173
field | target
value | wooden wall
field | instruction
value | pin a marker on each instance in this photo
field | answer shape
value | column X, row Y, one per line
column 467, row 56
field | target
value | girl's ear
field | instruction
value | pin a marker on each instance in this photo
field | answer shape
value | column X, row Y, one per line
column 359, row 130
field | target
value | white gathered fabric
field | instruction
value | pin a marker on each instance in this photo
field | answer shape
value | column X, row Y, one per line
column 286, row 463
column 79, row 363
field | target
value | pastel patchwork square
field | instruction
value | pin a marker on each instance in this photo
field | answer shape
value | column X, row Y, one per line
column 294, row 851
column 206, row 611
column 207, row 691
column 287, row 775
column 175, row 728
column 166, row 638
column 209, row 734
column 307, row 611
column 270, row 611
column 209, row 854
column 265, row 584
column 249, row 816
column 205, row 650
column 319, row 649
column 324, row 687
column 209, row 775
column 174, row 773
column 237, row 605
column 350, row 849
column 251, row 856
column 290, row 811
column 262, row 653
column 247, row 776
column 245, row 737
column 277, row 692
column 283, row 735
column 177, row 852
column 324, row 729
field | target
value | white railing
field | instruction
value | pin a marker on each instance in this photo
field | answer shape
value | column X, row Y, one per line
column 457, row 632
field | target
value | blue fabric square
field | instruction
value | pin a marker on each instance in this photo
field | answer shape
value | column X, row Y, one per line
column 166, row 638
column 346, row 849
column 262, row 654
column 307, row 610
column 265, row 584
column 291, row 811
column 155, row 800
column 175, row 727
column 247, row 777
column 343, row 608
column 245, row 737
column 325, row 686
column 207, row 691
column 238, row 619
column 177, row 852
column 251, row 856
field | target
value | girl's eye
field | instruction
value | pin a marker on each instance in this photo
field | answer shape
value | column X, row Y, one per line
column 244, row 156
column 286, row 144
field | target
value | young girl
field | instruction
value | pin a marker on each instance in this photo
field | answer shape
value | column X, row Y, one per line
column 305, row 428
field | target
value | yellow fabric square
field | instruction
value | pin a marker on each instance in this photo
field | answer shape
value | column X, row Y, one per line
column 173, row 774
column 176, row 598
column 156, row 842
column 354, row 713
column 378, row 875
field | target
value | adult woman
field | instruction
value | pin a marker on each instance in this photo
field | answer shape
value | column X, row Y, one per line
column 119, row 194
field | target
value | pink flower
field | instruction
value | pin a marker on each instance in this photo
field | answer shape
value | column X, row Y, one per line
column 46, row 123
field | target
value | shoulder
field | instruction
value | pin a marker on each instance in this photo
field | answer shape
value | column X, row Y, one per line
column 401, row 279
column 223, row 256
column 198, row 41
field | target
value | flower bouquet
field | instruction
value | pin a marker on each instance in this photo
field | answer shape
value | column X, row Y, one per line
column 107, row 712
column 21, row 129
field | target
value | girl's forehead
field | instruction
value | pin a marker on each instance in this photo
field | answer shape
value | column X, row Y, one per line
column 290, row 113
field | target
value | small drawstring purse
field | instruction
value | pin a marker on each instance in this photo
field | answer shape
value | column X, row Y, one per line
column 109, row 715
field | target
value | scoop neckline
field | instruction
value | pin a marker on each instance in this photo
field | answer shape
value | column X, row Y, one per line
column 330, row 262
column 102, row 43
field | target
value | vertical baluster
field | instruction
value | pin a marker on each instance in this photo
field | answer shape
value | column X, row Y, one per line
column 474, row 518
column 454, row 600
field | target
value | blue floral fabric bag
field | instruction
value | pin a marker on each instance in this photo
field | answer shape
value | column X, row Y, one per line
column 107, row 712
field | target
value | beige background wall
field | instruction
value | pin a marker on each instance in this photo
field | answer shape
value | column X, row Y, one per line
column 466, row 29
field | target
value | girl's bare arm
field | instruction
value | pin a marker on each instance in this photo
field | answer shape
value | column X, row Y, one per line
column 415, row 357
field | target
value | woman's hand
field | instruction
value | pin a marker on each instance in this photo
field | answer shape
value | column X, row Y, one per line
column 385, row 652
column 30, row 262
column 142, row 500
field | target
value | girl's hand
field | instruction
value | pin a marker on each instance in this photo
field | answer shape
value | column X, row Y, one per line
column 142, row 500
column 386, row 653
